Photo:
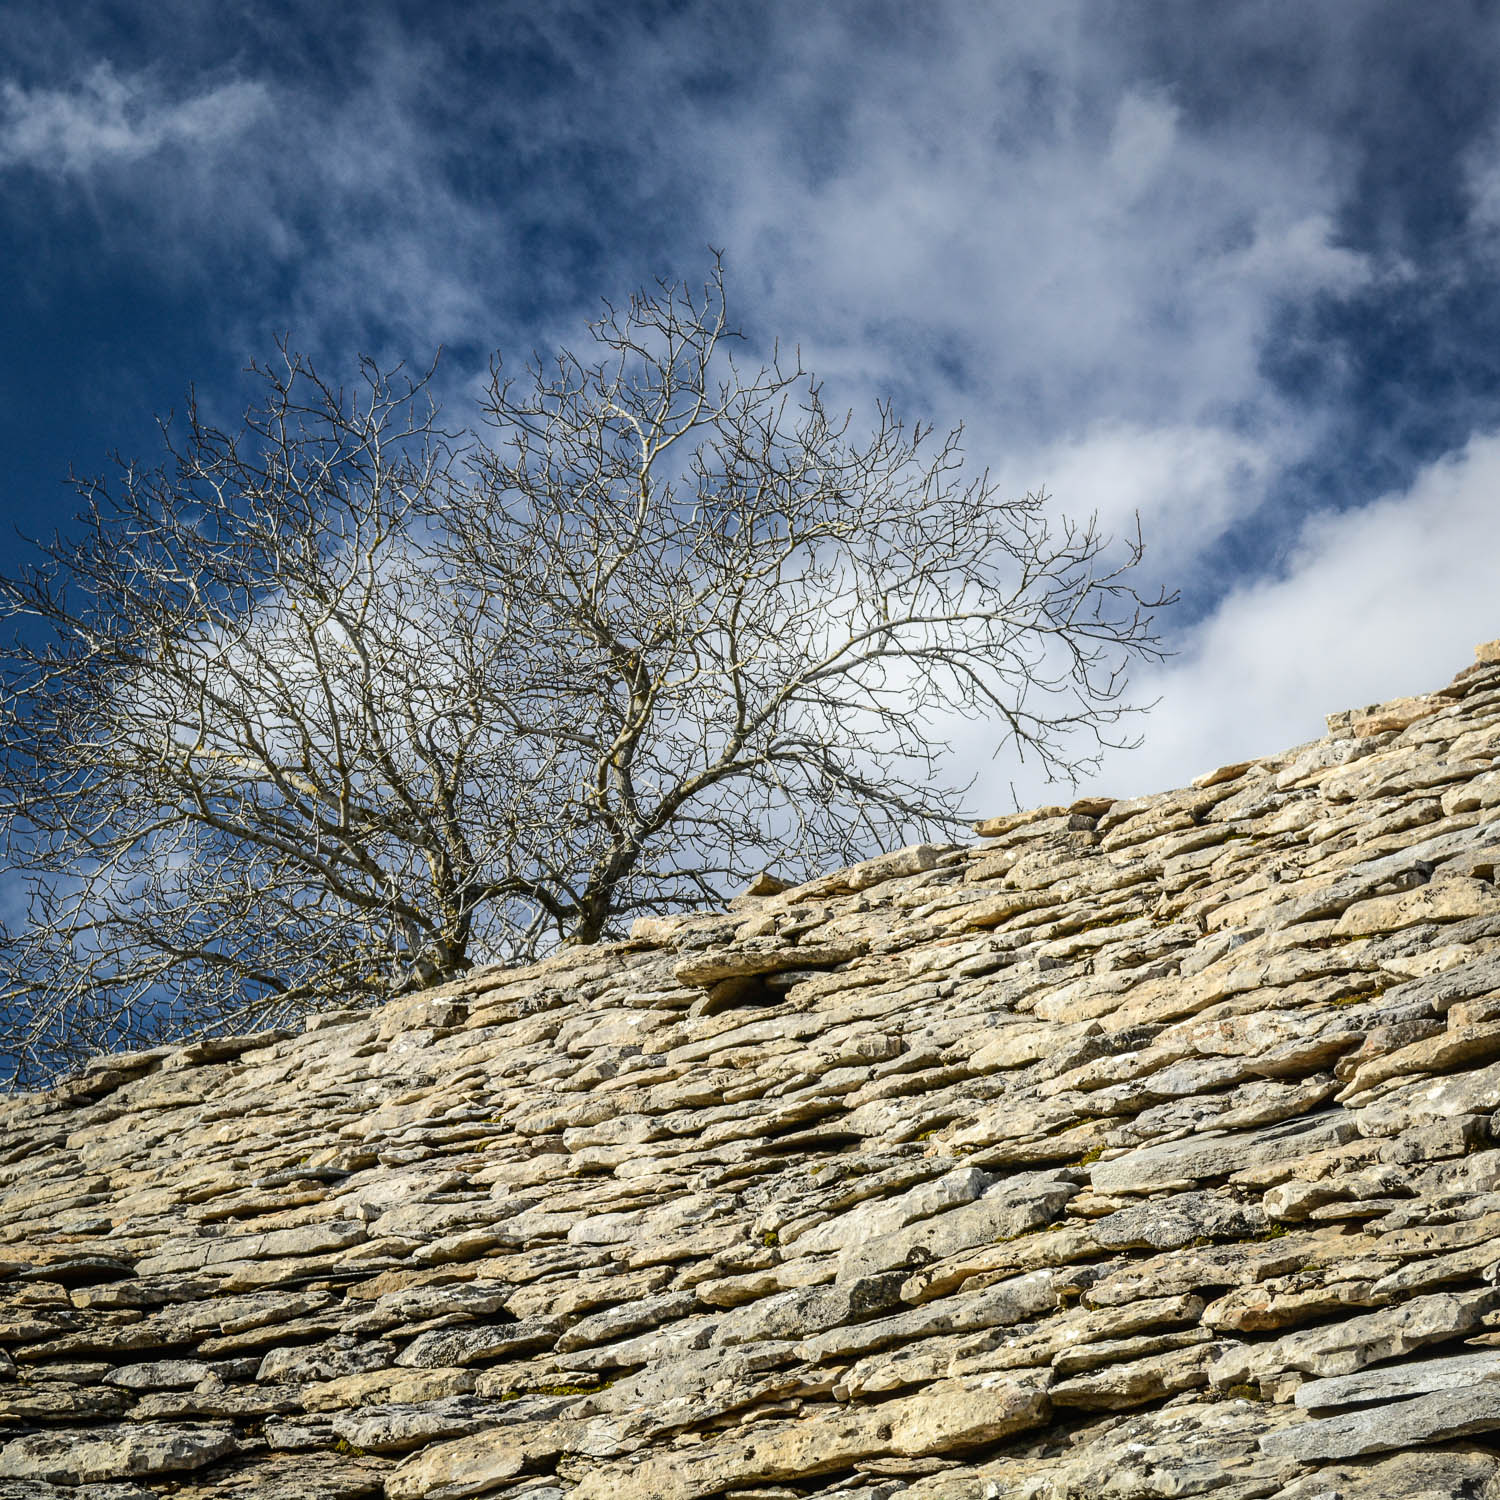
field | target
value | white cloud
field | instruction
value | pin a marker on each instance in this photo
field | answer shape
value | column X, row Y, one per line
column 993, row 222
column 1374, row 603
column 1089, row 289
column 108, row 119
column 1187, row 483
column 1069, row 271
column 1300, row 255
column 1141, row 143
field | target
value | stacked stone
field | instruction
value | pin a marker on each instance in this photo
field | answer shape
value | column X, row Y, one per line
column 1143, row 1148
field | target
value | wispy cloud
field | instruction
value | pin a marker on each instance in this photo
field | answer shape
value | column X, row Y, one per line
column 105, row 119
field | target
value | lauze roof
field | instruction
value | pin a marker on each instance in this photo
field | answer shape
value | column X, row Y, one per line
column 1141, row 1149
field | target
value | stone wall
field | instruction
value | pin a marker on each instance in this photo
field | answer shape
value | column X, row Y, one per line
column 1139, row 1149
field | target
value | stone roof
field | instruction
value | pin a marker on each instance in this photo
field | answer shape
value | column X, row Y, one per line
column 1143, row 1148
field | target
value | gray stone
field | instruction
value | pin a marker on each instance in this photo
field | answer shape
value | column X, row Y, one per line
column 1344, row 1347
column 691, row 1375
column 1184, row 1219
column 1434, row 1418
column 475, row 1299
column 622, row 1322
column 995, row 1307
column 757, row 957
column 1134, row 1382
column 161, row 1375
column 73, row 1457
column 324, row 1361
column 955, row 1182
column 1010, row 1208
column 39, row 1489
column 1199, row 1157
column 882, row 1216
column 1423, row 1475
column 396, row 1428
column 1411, row 1378
column 800, row 1312
column 36, row 1402
column 469, row 1345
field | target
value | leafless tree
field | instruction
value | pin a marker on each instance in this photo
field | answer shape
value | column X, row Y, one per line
column 343, row 703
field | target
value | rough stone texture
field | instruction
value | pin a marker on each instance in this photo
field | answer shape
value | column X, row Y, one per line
column 1398, row 1424
column 1405, row 1378
column 1145, row 1148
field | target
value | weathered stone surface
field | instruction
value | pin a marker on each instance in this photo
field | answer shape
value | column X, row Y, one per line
column 1148, row 1148
column 1412, row 1378
column 1134, row 1382
column 386, row 1386
column 995, row 1307
column 621, row 1322
column 949, row 1414
column 1421, row 1475
column 309, row 1476
column 25, row 1405
column 1434, row 1418
column 396, row 1428
column 1445, row 900
column 1010, row 1208
column 1341, row 1348
column 469, row 1465
column 757, row 958
column 74, row 1457
column 1202, row 1157
column 463, row 1345
column 39, row 1489
column 882, row 1216
column 798, row 1313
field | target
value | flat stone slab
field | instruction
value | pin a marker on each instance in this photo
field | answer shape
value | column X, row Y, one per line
column 1423, row 1475
column 1390, row 1382
column 1390, row 1428
column 1211, row 1154
column 72, row 1457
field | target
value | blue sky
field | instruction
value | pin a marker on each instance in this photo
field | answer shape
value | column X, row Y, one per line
column 1236, row 266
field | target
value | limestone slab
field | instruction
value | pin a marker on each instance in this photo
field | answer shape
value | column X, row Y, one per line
column 1438, row 1417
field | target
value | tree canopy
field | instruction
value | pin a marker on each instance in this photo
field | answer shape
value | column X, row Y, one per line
column 345, row 702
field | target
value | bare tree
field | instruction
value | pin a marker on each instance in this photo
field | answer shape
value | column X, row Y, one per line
column 343, row 703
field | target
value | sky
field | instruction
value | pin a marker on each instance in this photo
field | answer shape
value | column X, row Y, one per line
column 1233, row 267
